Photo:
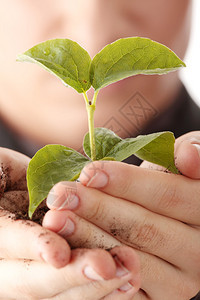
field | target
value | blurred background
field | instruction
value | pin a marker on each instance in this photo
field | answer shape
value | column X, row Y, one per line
column 191, row 74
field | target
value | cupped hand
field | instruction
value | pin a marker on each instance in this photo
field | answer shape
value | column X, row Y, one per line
column 89, row 274
column 155, row 212
column 23, row 239
column 36, row 263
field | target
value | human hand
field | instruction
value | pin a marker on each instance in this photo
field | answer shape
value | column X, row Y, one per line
column 36, row 263
column 29, row 252
column 186, row 152
column 156, row 213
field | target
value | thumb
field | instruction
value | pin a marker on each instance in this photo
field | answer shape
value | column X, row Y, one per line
column 187, row 154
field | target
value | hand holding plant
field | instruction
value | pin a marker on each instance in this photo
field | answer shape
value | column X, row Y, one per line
column 73, row 65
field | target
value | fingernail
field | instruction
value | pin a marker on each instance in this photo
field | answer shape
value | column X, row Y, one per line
column 197, row 146
column 100, row 179
column 121, row 270
column 90, row 273
column 67, row 229
column 126, row 287
column 71, row 202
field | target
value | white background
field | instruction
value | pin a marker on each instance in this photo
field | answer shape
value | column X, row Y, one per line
column 191, row 75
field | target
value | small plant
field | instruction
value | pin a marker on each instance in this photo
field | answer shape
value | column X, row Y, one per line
column 73, row 65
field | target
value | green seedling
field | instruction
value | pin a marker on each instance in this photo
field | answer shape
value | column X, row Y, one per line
column 73, row 65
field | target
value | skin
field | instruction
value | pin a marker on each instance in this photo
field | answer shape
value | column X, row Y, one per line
column 33, row 89
column 161, row 222
column 41, row 262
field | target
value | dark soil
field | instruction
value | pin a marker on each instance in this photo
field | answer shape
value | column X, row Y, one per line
column 14, row 198
column 37, row 216
column 15, row 203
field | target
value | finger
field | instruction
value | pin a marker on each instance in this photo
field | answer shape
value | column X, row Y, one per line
column 161, row 280
column 97, row 290
column 134, row 225
column 164, row 193
column 155, row 272
column 148, row 165
column 28, row 240
column 13, row 169
column 85, row 234
column 187, row 156
column 40, row 280
column 117, row 295
column 122, row 289
column 77, row 231
column 141, row 295
column 187, row 153
column 58, row 221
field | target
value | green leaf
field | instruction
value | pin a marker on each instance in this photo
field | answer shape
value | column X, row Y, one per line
column 64, row 58
column 160, row 151
column 105, row 140
column 50, row 165
column 157, row 147
column 131, row 56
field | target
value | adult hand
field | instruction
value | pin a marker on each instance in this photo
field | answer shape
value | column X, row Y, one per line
column 95, row 273
column 155, row 212
column 36, row 263
column 187, row 153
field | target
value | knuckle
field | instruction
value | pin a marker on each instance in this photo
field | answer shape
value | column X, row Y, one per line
column 124, row 185
column 98, row 206
column 98, row 211
column 168, row 197
column 140, row 235
column 146, row 234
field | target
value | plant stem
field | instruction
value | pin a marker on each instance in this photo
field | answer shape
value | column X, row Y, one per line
column 90, row 106
column 90, row 111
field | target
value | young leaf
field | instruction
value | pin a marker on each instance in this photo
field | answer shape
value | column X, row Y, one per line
column 131, row 56
column 105, row 140
column 50, row 165
column 160, row 151
column 157, row 147
column 64, row 58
